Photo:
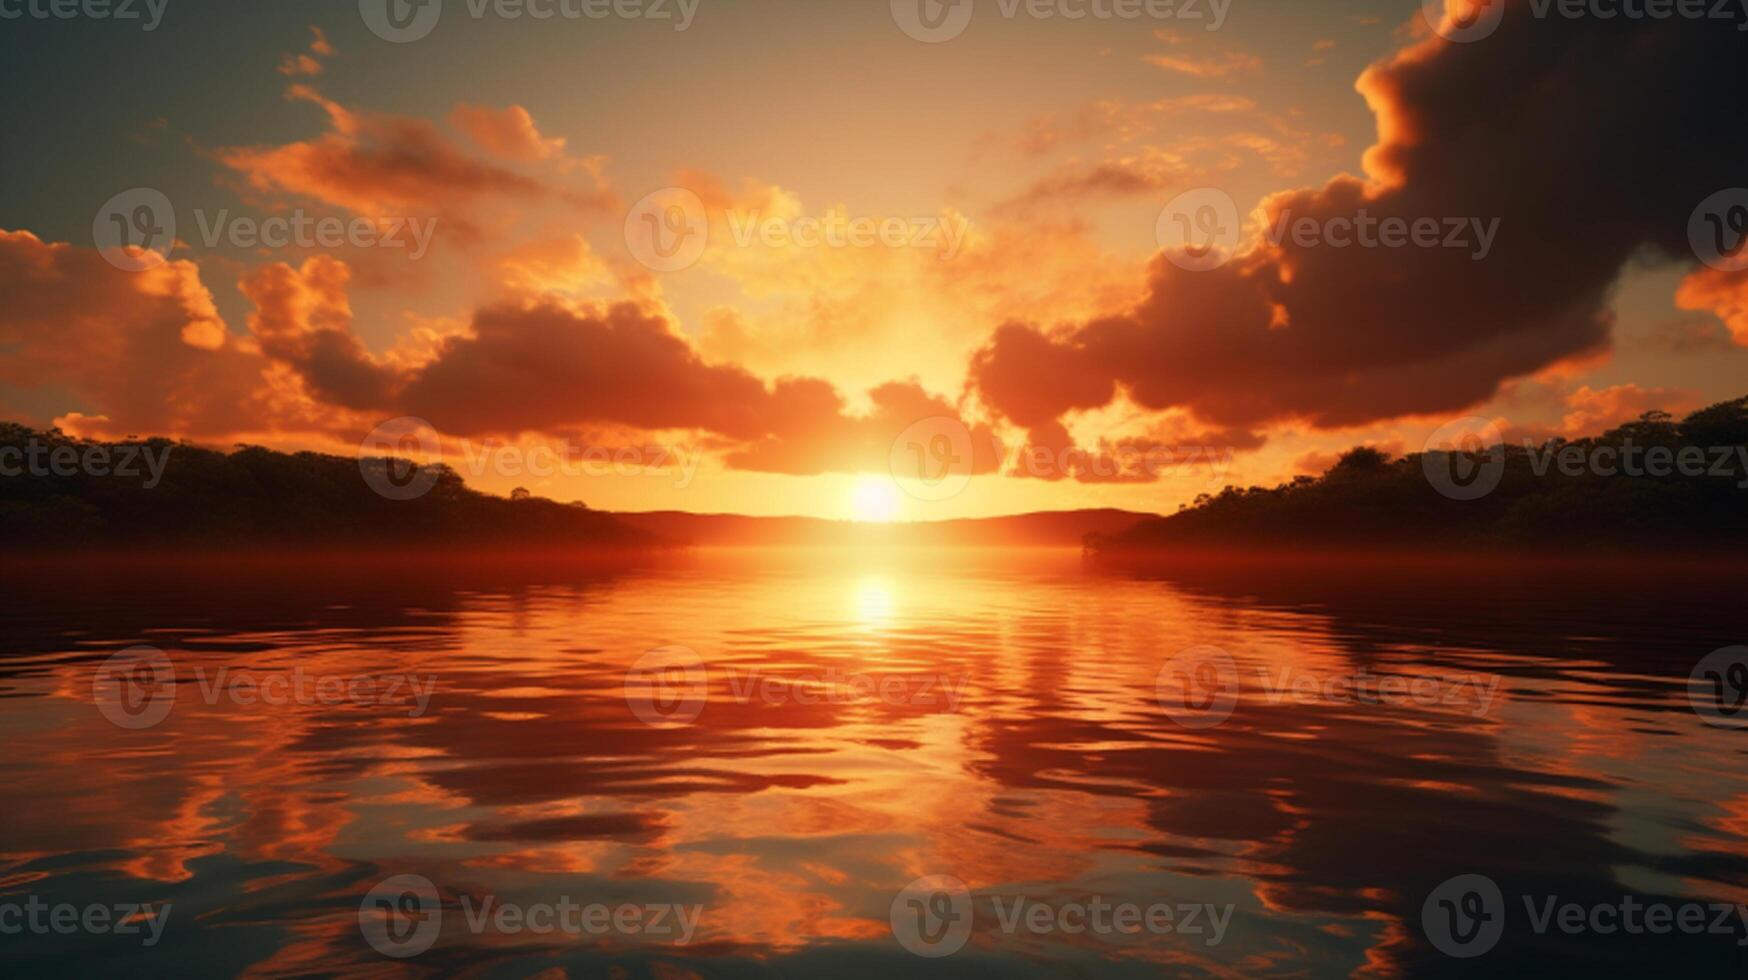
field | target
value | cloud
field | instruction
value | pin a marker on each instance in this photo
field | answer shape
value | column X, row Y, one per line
column 550, row 366
column 1147, row 147
column 1051, row 453
column 1076, row 183
column 561, row 264
column 303, row 318
column 1317, row 462
column 1211, row 66
column 1687, row 335
column 1594, row 410
column 378, row 165
column 509, row 133
column 1584, row 160
column 1720, row 292
column 143, row 351
column 1215, row 65
column 813, row 432
column 308, row 62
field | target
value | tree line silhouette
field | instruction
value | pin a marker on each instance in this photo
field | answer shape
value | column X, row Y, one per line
column 1371, row 501
column 254, row 497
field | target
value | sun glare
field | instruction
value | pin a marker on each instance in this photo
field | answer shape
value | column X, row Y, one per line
column 874, row 499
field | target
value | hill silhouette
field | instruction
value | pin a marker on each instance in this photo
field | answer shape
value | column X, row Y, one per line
column 157, row 494
column 58, row 492
column 1558, row 495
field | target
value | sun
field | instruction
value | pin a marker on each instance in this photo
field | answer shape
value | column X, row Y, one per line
column 873, row 499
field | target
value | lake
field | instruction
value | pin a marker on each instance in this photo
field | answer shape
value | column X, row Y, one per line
column 871, row 764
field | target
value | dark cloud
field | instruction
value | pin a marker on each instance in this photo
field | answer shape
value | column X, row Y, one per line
column 1590, row 141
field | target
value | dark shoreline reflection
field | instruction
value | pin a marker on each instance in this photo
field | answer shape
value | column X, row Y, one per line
column 795, row 820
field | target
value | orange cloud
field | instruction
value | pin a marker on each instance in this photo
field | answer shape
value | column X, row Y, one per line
column 1594, row 410
column 303, row 318
column 1343, row 336
column 308, row 62
column 1720, row 292
column 145, row 350
column 1215, row 65
column 509, row 132
column 379, row 166
column 559, row 264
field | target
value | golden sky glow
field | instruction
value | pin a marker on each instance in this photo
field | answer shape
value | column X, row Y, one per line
column 738, row 284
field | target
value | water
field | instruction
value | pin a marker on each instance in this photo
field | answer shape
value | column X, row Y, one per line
column 855, row 722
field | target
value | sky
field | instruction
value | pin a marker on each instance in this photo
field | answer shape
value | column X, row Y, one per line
column 774, row 257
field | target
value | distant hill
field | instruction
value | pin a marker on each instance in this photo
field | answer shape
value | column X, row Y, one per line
column 58, row 493
column 1048, row 529
column 62, row 493
column 1553, row 497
